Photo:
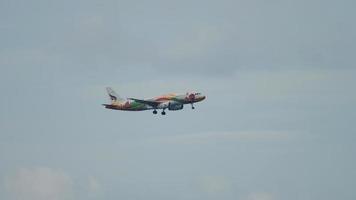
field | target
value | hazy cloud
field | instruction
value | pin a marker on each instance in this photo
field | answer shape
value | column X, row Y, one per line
column 215, row 184
column 94, row 185
column 279, row 76
column 39, row 183
column 213, row 137
column 260, row 196
column 185, row 37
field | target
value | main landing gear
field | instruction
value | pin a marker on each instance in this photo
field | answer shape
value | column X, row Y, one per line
column 155, row 112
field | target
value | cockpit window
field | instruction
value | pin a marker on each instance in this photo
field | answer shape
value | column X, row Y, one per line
column 198, row 93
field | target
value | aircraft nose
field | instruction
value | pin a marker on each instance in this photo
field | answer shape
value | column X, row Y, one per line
column 203, row 97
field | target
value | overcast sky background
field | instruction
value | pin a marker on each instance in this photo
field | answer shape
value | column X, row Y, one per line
column 278, row 121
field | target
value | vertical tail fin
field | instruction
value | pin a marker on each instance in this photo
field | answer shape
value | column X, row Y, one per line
column 113, row 96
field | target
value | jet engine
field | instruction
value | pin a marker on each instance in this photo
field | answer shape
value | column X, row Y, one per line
column 175, row 106
column 163, row 105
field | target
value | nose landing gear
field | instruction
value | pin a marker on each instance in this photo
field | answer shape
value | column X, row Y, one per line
column 193, row 107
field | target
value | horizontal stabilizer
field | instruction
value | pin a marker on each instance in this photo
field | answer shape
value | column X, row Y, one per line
column 110, row 106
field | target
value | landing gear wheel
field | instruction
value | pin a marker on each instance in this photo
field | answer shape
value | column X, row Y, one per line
column 154, row 112
column 163, row 113
column 193, row 107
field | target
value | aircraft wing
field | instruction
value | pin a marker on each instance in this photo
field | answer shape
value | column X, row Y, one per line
column 147, row 102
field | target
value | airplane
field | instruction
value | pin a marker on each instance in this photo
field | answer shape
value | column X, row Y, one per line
column 169, row 101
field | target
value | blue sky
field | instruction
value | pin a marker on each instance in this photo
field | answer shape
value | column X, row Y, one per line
column 277, row 122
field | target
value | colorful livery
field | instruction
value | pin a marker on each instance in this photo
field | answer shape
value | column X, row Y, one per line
column 168, row 101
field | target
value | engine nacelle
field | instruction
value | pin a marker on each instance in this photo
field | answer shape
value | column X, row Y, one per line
column 175, row 106
column 163, row 105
